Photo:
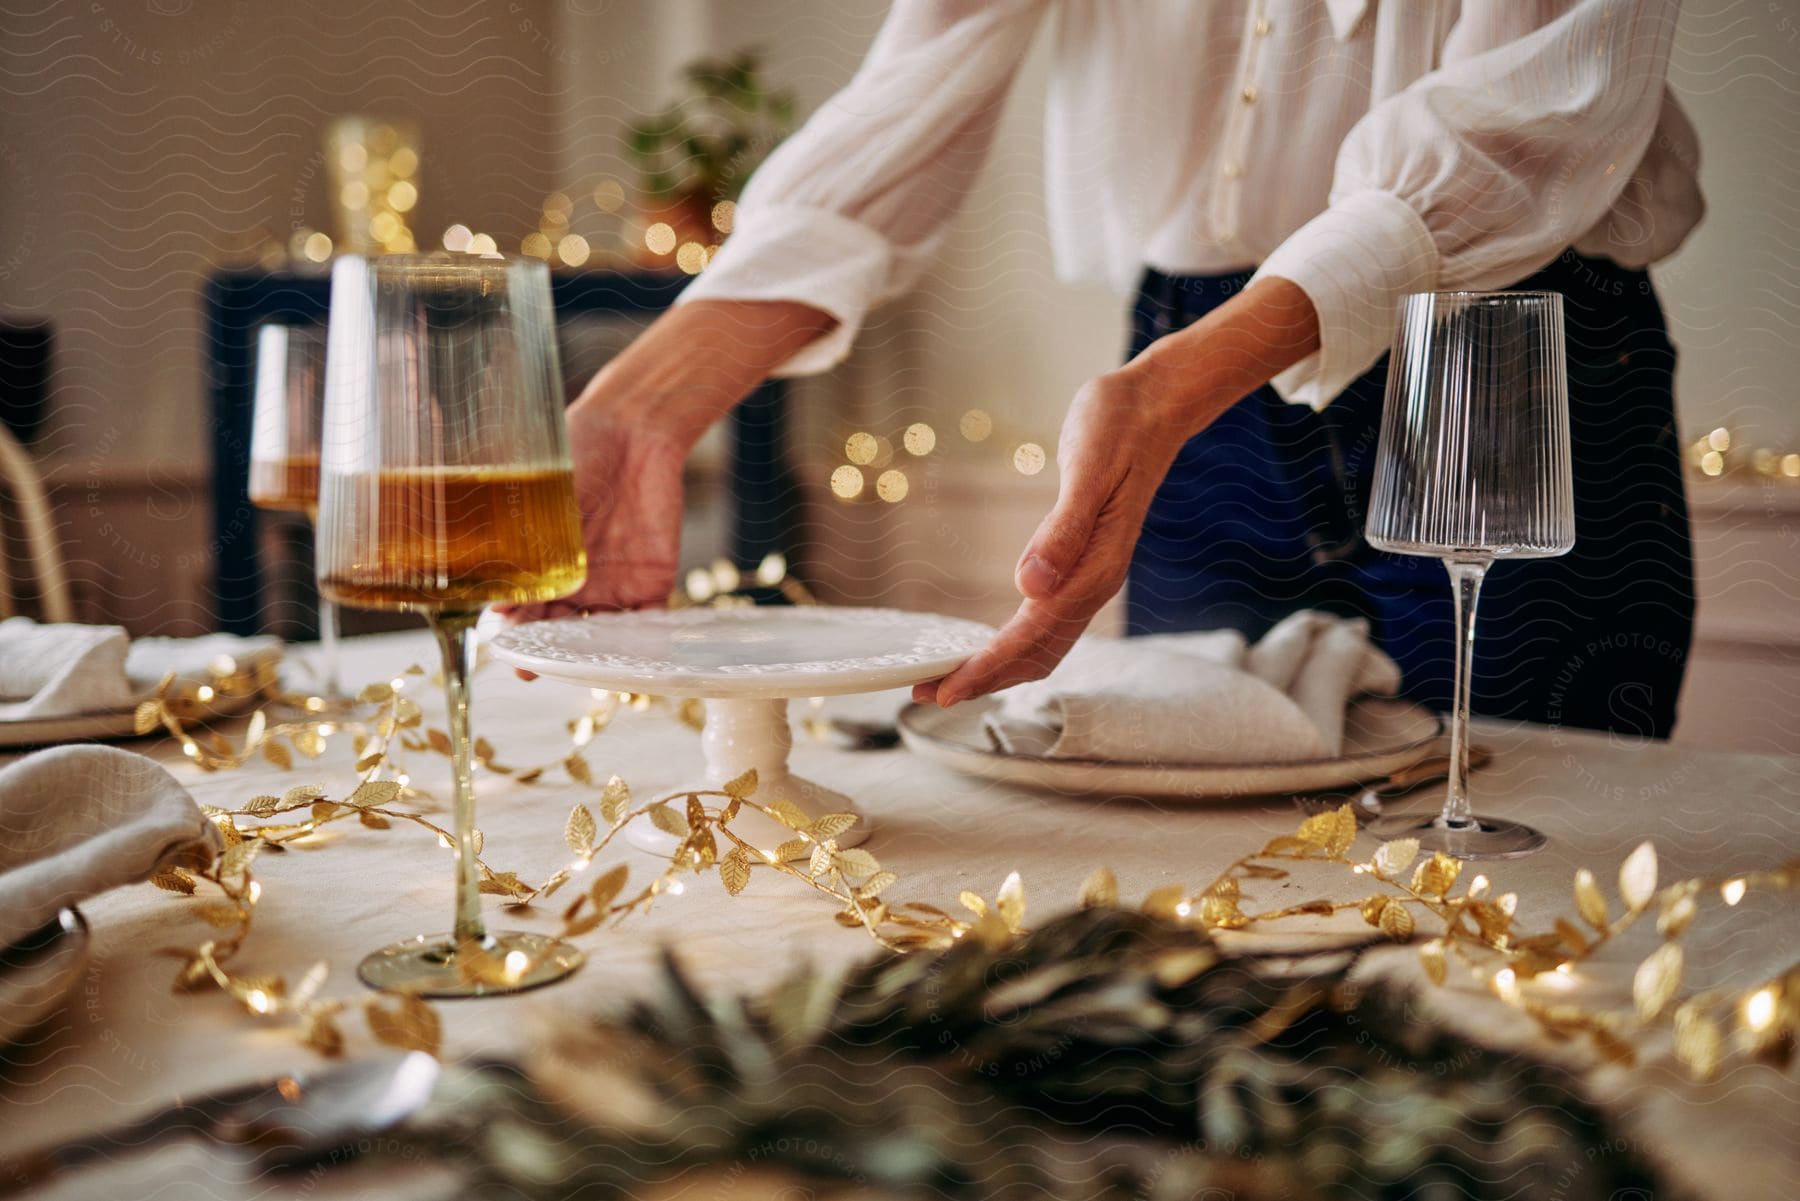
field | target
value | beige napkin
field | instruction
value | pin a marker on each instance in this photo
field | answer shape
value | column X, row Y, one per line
column 79, row 820
column 65, row 670
column 1199, row 698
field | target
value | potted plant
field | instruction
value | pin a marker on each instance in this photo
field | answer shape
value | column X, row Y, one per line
column 700, row 150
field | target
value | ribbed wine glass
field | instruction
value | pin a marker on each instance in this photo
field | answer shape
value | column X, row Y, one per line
column 446, row 487
column 1473, row 467
column 284, row 451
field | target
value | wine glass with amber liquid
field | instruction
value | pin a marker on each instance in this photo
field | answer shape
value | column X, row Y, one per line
column 445, row 487
column 284, row 458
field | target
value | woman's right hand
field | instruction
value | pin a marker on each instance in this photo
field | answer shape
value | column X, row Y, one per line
column 633, row 425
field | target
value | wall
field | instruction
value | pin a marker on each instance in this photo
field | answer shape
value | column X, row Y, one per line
column 144, row 143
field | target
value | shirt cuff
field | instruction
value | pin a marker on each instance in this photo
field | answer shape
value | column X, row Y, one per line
column 1355, row 261
column 802, row 255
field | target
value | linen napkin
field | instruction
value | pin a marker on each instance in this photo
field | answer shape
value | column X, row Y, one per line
column 80, row 820
column 67, row 669
column 1201, row 698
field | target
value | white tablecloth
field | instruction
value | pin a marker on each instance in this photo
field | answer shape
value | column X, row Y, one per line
column 128, row 1042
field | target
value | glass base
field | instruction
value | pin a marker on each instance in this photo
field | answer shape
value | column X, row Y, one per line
column 1487, row 838
column 426, row 965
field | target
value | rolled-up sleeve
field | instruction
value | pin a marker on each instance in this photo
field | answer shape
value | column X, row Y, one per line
column 848, row 211
column 1479, row 172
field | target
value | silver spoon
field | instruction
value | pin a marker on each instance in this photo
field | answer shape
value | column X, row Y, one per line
column 281, row 1122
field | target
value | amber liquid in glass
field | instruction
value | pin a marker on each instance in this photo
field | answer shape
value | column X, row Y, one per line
column 289, row 485
column 462, row 538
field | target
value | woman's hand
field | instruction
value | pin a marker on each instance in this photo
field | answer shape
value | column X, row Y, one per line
column 632, row 428
column 1122, row 432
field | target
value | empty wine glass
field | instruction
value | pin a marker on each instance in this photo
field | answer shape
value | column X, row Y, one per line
column 445, row 487
column 284, row 454
column 1473, row 467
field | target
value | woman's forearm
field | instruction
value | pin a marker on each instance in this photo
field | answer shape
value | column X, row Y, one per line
column 698, row 360
column 1201, row 371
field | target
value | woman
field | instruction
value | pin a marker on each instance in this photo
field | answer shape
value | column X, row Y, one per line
column 1274, row 177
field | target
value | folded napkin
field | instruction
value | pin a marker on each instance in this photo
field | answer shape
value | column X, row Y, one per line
column 1202, row 698
column 79, row 820
column 65, row 670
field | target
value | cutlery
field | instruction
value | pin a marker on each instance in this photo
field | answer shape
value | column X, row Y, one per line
column 1368, row 802
column 281, row 1122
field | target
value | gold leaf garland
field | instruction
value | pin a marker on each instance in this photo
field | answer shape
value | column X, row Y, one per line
column 1477, row 928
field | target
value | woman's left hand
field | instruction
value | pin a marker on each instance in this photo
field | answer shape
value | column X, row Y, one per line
column 1123, row 430
column 1116, row 445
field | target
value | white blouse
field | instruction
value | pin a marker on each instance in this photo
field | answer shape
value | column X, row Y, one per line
column 1363, row 149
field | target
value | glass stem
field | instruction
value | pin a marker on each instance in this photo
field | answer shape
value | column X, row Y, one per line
column 1465, row 579
column 452, row 630
column 330, row 686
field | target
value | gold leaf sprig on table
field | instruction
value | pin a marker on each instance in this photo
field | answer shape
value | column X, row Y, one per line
column 1478, row 928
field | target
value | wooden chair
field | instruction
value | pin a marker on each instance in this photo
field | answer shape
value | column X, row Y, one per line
column 19, row 479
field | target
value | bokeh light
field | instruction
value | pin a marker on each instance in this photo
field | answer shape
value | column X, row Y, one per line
column 1719, row 439
column 536, row 245
column 723, row 214
column 660, row 238
column 976, row 425
column 317, row 247
column 1029, row 458
column 691, row 257
column 456, row 238
column 891, row 486
column 403, row 162
column 860, row 448
column 919, row 439
column 402, row 196
column 483, row 244
column 573, row 249
column 847, row 482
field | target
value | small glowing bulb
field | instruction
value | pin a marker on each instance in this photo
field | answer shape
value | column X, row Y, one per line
column 327, row 729
column 573, row 249
column 1184, row 908
column 1565, row 969
column 1506, row 983
column 1733, row 890
column 919, row 439
column 677, row 887
column 515, row 964
column 314, row 704
column 444, row 841
column 255, row 891
column 660, row 238
column 191, row 750
column 403, row 779
column 1478, row 886
column 397, row 683
column 1759, row 1009
column 257, row 1000
column 204, row 692
column 1029, row 459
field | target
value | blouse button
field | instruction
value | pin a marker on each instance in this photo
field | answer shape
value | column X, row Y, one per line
column 1249, row 95
column 1234, row 170
column 1262, row 27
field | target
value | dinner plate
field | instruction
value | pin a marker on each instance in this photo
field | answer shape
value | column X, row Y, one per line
column 1381, row 736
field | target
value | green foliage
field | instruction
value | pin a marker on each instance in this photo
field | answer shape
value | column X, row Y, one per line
column 708, row 142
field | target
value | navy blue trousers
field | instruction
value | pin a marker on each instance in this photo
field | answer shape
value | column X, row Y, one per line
column 1262, row 514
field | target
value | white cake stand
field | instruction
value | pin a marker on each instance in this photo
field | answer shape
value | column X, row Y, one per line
column 746, row 663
